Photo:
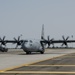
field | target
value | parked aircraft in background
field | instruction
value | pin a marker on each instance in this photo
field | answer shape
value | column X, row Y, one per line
column 3, row 49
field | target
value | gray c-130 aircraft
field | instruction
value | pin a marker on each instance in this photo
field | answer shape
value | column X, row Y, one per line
column 34, row 45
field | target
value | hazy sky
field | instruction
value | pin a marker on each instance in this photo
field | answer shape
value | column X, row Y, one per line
column 27, row 16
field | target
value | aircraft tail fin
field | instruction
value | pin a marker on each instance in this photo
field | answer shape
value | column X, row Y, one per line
column 42, row 34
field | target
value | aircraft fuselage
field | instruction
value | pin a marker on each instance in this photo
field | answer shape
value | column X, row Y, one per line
column 32, row 46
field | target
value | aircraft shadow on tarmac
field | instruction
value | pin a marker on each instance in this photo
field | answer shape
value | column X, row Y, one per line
column 37, row 53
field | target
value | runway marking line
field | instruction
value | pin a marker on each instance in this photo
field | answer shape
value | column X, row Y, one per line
column 52, row 65
column 70, row 56
column 37, row 72
column 14, row 67
column 1, row 71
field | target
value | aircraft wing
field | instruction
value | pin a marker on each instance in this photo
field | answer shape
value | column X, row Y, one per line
column 64, row 42
column 18, row 42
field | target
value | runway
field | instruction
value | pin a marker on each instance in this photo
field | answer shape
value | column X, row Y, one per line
column 54, row 62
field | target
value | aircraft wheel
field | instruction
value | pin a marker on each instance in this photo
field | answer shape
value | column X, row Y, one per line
column 42, row 52
column 2, row 50
column 6, row 50
column 28, row 52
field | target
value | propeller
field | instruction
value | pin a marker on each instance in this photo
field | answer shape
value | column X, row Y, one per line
column 49, row 41
column 3, row 41
column 18, row 41
column 65, row 41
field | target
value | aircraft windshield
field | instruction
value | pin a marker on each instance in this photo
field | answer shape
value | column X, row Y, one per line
column 30, row 41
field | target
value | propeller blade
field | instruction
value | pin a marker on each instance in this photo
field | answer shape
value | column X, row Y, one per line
column 18, row 38
column 52, row 39
column 3, row 38
column 65, row 41
column 49, row 41
column 48, row 38
column 67, row 38
column 15, row 39
column 63, row 37
column 0, row 39
column 18, row 41
column 48, row 44
column 3, row 41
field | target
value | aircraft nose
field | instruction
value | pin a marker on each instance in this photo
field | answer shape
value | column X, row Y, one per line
column 26, row 46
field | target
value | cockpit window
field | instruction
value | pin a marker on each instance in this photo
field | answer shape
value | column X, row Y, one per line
column 30, row 41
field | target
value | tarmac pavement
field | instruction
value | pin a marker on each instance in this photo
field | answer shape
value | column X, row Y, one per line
column 54, row 62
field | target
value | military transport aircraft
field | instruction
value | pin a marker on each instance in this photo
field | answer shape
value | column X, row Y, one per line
column 28, row 45
column 35, row 45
